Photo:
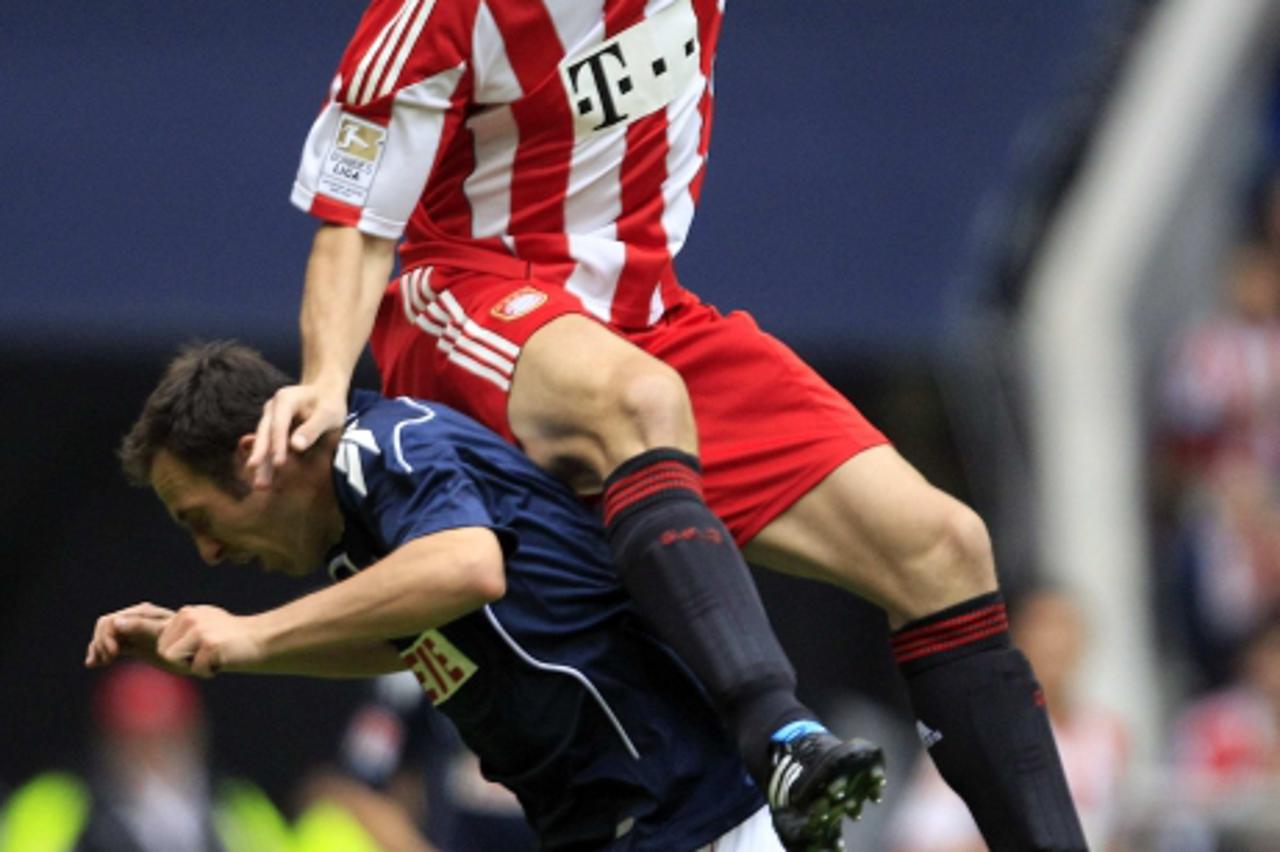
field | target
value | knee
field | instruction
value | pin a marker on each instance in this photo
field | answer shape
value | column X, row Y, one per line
column 605, row 416
column 953, row 564
column 654, row 408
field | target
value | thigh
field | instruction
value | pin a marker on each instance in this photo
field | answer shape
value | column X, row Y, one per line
column 524, row 358
column 456, row 337
column 770, row 429
column 871, row 527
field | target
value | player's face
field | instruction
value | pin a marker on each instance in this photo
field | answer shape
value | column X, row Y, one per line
column 234, row 529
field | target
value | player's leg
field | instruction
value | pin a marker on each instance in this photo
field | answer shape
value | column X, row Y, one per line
column 876, row 527
column 807, row 485
column 605, row 416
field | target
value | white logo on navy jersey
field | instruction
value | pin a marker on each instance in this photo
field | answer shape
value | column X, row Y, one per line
column 928, row 736
column 347, row 459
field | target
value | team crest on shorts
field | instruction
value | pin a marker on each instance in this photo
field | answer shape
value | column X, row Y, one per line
column 519, row 303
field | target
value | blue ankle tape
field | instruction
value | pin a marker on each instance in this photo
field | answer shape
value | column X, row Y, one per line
column 792, row 730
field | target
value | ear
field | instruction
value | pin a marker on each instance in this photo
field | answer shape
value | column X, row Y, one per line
column 244, row 447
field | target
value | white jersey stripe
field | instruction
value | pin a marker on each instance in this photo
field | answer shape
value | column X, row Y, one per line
column 439, row 314
column 389, row 81
column 600, row 260
column 358, row 78
column 416, row 317
column 455, row 335
column 419, row 280
column 478, row 369
column 487, row 337
column 484, row 335
column 446, row 346
column 495, row 360
column 578, row 24
column 684, row 130
column 488, row 187
column 384, row 52
column 495, row 81
column 461, row 339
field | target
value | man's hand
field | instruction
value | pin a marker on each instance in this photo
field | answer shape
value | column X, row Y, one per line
column 202, row 640
column 129, row 632
column 320, row 409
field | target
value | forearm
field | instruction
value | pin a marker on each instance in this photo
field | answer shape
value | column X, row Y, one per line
column 346, row 275
column 367, row 659
column 424, row 584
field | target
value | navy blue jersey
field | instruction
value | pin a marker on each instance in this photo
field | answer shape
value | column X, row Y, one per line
column 567, row 699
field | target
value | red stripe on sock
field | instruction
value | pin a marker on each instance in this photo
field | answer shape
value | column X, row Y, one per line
column 686, row 477
column 644, row 473
column 951, row 633
column 908, row 642
column 663, row 476
column 948, row 625
column 950, row 645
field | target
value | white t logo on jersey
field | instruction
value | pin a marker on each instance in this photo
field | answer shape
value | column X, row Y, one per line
column 637, row 72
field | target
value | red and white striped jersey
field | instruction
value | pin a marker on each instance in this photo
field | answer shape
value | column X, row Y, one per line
column 571, row 134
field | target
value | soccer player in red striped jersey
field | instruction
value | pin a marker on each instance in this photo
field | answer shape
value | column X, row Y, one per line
column 537, row 162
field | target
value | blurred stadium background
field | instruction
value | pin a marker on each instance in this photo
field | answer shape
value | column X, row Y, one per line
column 986, row 223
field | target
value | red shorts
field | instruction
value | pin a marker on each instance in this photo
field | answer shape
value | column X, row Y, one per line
column 769, row 427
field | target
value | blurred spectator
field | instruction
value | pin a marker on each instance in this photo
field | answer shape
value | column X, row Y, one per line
column 149, row 786
column 402, row 763
column 1227, row 749
column 1222, row 406
column 1051, row 630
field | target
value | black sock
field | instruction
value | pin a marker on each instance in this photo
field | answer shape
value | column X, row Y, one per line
column 688, row 580
column 982, row 717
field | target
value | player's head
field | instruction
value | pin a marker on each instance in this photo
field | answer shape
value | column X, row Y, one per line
column 190, row 443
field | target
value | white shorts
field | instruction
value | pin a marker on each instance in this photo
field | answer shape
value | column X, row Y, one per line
column 754, row 834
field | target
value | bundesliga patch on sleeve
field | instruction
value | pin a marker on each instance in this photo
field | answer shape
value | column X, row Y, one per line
column 352, row 162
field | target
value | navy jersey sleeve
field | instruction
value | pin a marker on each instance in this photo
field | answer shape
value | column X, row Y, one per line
column 411, row 481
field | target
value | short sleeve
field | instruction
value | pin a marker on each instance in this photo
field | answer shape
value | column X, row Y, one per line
column 372, row 148
column 423, row 490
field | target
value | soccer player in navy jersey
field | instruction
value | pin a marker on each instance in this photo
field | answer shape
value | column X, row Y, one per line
column 453, row 555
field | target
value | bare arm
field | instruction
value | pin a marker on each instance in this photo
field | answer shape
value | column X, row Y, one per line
column 347, row 273
column 423, row 584
column 135, row 631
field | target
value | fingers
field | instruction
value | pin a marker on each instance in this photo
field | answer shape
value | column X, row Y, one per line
column 135, row 632
column 103, row 647
column 177, row 643
column 283, row 408
column 131, row 632
column 147, row 611
column 319, row 412
column 206, row 662
column 196, row 640
column 260, row 459
column 310, row 429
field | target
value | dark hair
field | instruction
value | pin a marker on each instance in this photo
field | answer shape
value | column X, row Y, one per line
column 210, row 395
